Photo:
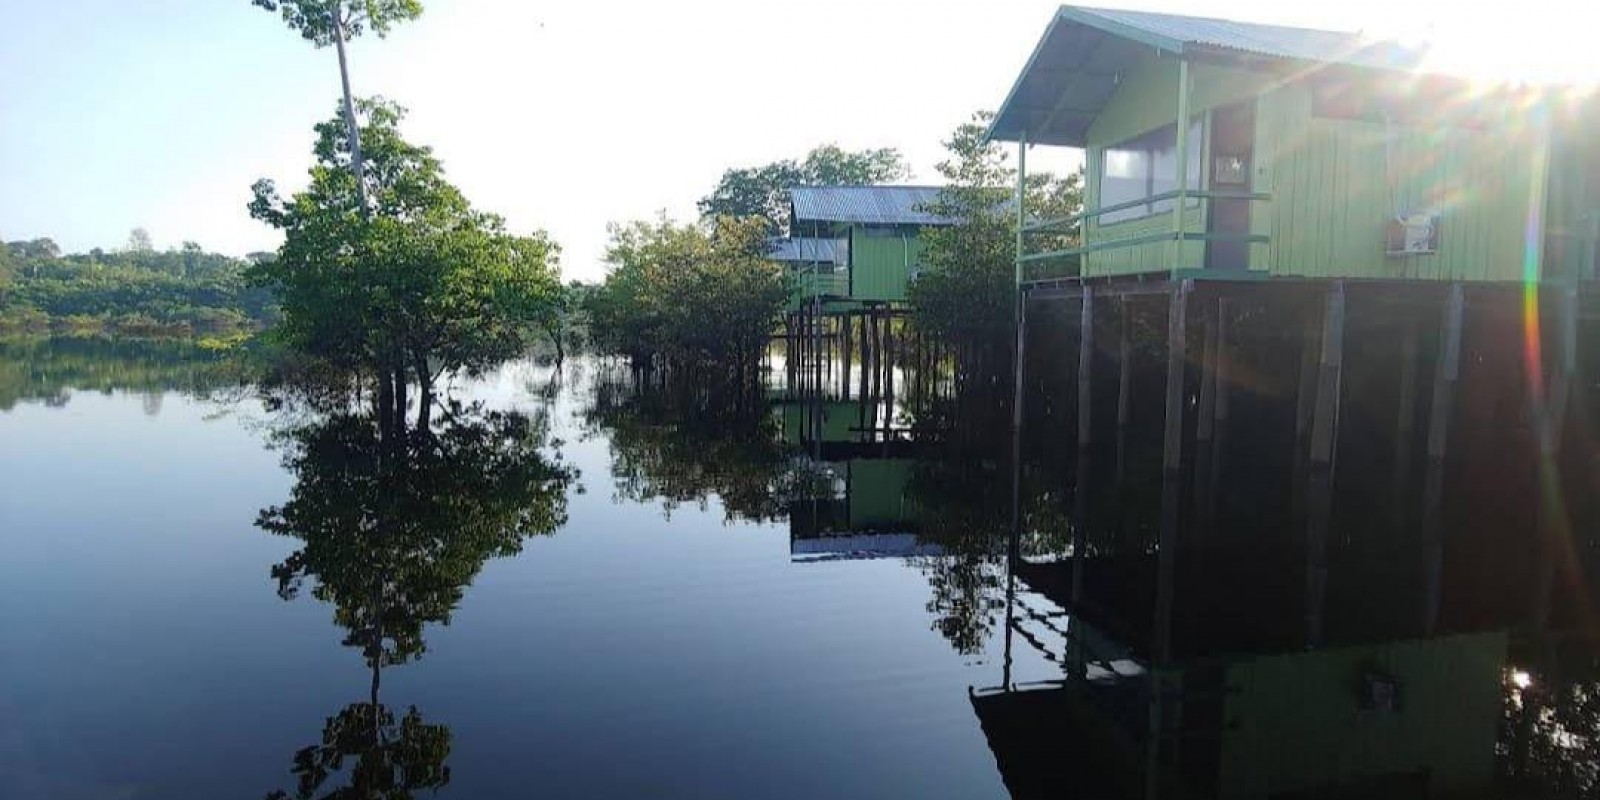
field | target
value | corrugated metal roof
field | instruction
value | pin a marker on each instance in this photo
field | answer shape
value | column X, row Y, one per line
column 866, row 205
column 804, row 249
column 1075, row 69
column 1183, row 33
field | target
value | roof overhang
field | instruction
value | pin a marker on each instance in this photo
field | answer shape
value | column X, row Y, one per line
column 1071, row 76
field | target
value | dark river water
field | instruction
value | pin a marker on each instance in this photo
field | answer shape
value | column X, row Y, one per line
column 572, row 589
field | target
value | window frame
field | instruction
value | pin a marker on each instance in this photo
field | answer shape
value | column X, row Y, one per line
column 1148, row 143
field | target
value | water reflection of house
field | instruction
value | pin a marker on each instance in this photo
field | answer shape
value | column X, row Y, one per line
column 864, row 511
column 1409, row 718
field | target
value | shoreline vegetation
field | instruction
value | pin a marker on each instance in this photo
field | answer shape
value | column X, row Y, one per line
column 137, row 291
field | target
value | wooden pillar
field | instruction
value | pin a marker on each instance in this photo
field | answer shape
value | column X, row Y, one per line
column 1204, row 419
column 1124, row 386
column 877, row 374
column 1305, row 404
column 1080, row 493
column 1171, row 468
column 864, row 395
column 1405, row 426
column 1555, row 522
column 1221, row 409
column 1447, row 371
column 1018, row 357
column 888, row 374
column 846, row 328
column 1324, row 449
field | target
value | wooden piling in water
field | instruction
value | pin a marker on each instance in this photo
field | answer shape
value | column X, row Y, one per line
column 1447, row 371
column 1405, row 425
column 1171, row 467
column 1080, row 494
column 1324, row 443
column 1203, row 425
column 1124, row 387
column 1551, row 416
column 1221, row 409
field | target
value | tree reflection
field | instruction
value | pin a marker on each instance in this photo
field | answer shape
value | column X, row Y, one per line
column 394, row 522
column 673, row 446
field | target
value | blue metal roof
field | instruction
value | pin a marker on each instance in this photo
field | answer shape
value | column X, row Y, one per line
column 805, row 250
column 866, row 205
column 1077, row 64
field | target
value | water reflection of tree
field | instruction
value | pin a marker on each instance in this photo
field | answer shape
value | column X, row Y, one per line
column 393, row 524
column 962, row 495
column 678, row 445
column 1550, row 725
column 48, row 370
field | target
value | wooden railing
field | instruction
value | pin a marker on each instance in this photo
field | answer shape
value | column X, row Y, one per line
column 1143, row 238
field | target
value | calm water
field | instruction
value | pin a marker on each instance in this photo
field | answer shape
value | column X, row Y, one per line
column 574, row 590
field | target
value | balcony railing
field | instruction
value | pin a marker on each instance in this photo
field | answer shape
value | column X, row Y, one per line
column 1172, row 235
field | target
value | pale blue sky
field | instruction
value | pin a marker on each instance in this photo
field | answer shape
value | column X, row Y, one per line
column 564, row 116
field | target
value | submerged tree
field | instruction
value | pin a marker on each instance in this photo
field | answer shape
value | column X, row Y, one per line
column 393, row 526
column 966, row 296
column 425, row 286
column 695, row 300
column 759, row 191
column 335, row 22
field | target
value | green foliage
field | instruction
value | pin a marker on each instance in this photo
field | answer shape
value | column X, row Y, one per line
column 694, row 297
column 427, row 284
column 315, row 19
column 174, row 291
column 50, row 369
column 967, row 294
column 392, row 758
column 759, row 191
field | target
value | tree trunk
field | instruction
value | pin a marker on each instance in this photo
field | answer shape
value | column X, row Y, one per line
column 350, row 110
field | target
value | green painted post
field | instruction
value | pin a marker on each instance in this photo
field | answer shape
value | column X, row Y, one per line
column 1183, row 163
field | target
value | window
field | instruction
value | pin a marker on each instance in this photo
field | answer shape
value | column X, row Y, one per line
column 1143, row 167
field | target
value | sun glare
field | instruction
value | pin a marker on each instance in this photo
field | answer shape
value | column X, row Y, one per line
column 1532, row 47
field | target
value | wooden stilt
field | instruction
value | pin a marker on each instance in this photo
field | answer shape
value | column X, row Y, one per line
column 1446, row 372
column 866, row 370
column 1305, row 404
column 846, row 328
column 888, row 375
column 1405, row 427
column 1554, row 522
column 1018, row 357
column 1124, row 386
column 1204, row 419
column 1324, row 449
column 1080, row 493
column 877, row 373
column 1221, row 410
column 1171, row 468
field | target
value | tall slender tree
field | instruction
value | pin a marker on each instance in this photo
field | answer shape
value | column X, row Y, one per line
column 335, row 22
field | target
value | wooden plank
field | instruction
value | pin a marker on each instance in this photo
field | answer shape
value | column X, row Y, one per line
column 1221, row 411
column 1124, row 385
column 1555, row 525
column 1324, row 444
column 1080, row 494
column 1405, row 424
column 1447, row 371
column 1204, row 419
column 1171, row 468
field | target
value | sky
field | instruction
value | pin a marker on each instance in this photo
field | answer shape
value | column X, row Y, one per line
column 561, row 116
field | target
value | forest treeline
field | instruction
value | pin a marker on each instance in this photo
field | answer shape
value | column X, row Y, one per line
column 137, row 290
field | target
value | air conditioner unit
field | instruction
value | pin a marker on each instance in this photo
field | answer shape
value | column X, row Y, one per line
column 1414, row 233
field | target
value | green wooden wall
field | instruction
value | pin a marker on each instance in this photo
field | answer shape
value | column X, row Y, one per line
column 881, row 261
column 1295, row 722
column 1335, row 183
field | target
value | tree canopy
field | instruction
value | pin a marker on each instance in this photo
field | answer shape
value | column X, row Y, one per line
column 315, row 19
column 758, row 191
column 700, row 298
column 966, row 294
column 427, row 284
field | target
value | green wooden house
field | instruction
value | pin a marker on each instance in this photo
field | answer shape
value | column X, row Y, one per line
column 1306, row 153
column 875, row 242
